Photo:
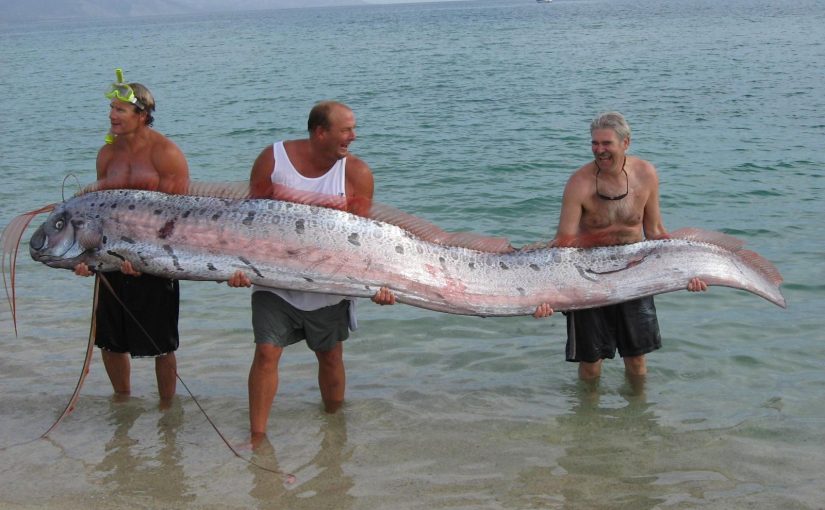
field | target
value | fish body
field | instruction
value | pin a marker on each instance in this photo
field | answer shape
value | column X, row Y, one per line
column 311, row 248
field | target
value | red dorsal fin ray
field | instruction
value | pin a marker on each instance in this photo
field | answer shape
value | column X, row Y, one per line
column 734, row 245
column 360, row 206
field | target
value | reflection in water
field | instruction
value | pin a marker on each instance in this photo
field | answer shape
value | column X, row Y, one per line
column 612, row 448
column 611, row 445
column 135, row 471
column 328, row 484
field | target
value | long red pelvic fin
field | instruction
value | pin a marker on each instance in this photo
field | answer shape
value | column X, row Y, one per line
column 9, row 245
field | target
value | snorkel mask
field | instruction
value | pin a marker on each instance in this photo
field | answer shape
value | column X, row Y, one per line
column 122, row 91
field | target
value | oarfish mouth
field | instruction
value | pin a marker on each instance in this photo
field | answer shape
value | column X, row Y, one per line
column 42, row 250
column 38, row 241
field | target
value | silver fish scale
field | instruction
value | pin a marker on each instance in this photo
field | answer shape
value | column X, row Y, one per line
column 301, row 247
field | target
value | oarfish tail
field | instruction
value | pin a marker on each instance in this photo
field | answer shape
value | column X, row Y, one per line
column 756, row 262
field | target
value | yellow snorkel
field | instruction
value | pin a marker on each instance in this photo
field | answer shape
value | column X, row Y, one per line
column 121, row 91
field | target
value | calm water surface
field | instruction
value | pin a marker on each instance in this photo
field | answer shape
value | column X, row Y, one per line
column 471, row 115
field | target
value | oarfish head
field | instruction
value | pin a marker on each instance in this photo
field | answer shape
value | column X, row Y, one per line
column 66, row 238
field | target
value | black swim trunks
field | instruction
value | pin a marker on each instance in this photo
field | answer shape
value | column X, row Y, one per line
column 596, row 333
column 153, row 302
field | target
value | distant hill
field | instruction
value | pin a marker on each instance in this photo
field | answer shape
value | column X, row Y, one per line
column 20, row 10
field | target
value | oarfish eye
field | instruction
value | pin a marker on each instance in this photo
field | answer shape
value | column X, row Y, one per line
column 58, row 225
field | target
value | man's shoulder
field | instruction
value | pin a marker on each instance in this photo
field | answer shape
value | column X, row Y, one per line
column 643, row 168
column 160, row 141
column 641, row 164
column 581, row 175
column 356, row 164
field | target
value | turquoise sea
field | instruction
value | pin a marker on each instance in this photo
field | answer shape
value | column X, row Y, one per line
column 471, row 115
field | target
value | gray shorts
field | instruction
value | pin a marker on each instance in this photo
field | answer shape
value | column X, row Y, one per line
column 276, row 322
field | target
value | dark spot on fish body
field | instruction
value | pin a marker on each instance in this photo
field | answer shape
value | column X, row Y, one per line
column 114, row 205
column 353, row 239
column 210, row 267
column 131, row 207
column 472, row 265
column 167, row 229
column 125, row 239
column 399, row 249
column 309, row 280
column 584, row 273
column 116, row 255
column 250, row 217
column 105, row 239
column 503, row 265
column 521, row 291
column 535, row 267
column 186, row 213
column 158, row 212
column 299, row 227
column 250, row 266
column 171, row 251
column 216, row 216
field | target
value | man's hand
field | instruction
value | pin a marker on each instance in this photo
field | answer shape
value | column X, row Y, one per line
column 543, row 310
column 126, row 268
column 384, row 296
column 239, row 279
column 81, row 269
column 697, row 285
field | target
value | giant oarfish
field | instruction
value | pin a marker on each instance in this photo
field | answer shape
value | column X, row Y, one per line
column 321, row 249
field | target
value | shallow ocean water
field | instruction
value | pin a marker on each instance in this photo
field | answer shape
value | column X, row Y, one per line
column 471, row 115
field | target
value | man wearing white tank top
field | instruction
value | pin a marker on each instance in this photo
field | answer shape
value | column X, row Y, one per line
column 323, row 164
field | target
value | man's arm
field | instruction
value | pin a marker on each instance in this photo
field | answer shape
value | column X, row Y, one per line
column 360, row 186
column 654, row 228
column 652, row 223
column 569, row 220
column 260, row 186
column 172, row 168
column 260, row 179
column 570, row 215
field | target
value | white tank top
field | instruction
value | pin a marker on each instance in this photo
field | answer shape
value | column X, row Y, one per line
column 333, row 182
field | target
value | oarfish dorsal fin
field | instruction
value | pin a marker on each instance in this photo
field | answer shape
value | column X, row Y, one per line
column 734, row 245
column 231, row 190
column 416, row 226
column 360, row 206
column 366, row 208
column 429, row 232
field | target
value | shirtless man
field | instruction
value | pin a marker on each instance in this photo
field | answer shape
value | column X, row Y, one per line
column 137, row 157
column 320, row 164
column 613, row 199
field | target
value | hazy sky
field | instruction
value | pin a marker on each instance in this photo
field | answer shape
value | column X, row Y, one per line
column 12, row 10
